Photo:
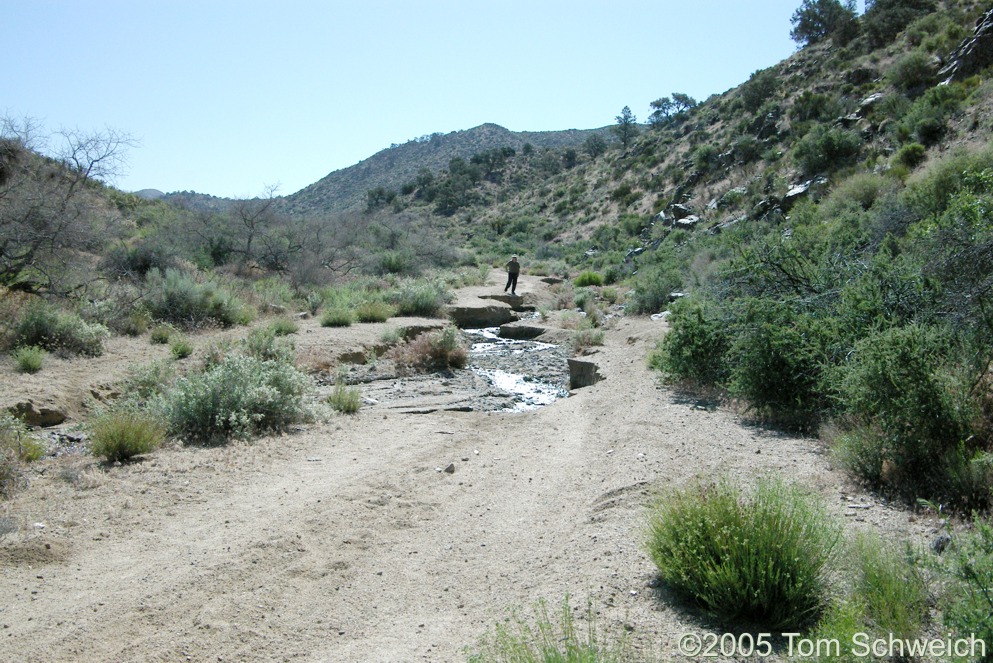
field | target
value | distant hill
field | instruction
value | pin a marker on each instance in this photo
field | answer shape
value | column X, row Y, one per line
column 346, row 189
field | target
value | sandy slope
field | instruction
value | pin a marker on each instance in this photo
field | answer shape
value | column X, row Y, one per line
column 344, row 541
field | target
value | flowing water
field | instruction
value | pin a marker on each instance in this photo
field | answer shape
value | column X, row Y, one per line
column 532, row 373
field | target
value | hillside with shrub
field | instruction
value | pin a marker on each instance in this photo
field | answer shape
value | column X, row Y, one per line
column 817, row 240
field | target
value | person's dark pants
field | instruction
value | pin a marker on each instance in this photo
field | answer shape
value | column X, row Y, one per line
column 511, row 283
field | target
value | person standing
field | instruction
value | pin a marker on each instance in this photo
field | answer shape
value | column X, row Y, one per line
column 513, row 271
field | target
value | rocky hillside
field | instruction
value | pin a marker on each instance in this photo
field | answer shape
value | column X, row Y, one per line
column 346, row 189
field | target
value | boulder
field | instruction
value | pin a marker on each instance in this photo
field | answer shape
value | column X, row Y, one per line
column 680, row 211
column 33, row 415
column 477, row 317
column 689, row 222
column 583, row 373
column 515, row 302
column 521, row 331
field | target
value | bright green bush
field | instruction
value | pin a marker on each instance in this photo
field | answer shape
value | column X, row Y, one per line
column 336, row 317
column 583, row 339
column 967, row 602
column 910, row 156
column 47, row 327
column 913, row 71
column 284, row 327
column 180, row 347
column 374, row 311
column 180, row 299
column 421, row 298
column 29, row 358
column 882, row 593
column 118, row 436
column 345, row 399
column 264, row 343
column 587, row 279
column 148, row 380
column 10, row 473
column 239, row 397
column 19, row 440
column 758, row 557
column 161, row 334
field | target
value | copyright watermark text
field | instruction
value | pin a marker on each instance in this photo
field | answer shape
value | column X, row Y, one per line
column 861, row 645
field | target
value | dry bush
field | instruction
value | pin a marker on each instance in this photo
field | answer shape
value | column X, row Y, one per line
column 434, row 351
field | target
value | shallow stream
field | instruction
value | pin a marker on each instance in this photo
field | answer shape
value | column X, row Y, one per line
column 532, row 373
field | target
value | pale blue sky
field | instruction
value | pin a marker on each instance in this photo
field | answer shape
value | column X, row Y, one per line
column 227, row 97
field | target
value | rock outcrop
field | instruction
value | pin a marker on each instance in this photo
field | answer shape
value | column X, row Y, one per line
column 973, row 54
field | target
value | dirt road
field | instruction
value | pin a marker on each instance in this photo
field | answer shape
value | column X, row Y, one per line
column 345, row 541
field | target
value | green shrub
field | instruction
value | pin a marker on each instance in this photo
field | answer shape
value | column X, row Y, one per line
column 911, row 412
column 883, row 595
column 758, row 557
column 121, row 435
column 265, row 344
column 426, row 299
column 10, row 473
column 583, row 339
column 913, row 71
column 29, row 358
column 587, row 279
column 314, row 302
column 396, row 262
column 890, row 586
column 777, row 364
column 178, row 298
column 161, row 334
column 551, row 640
column 374, row 311
column 826, row 148
column 693, row 349
column 284, row 327
column 148, row 380
column 19, row 440
column 345, row 399
column 180, row 347
column 336, row 317
column 655, row 285
column 45, row 326
column 967, row 602
column 239, row 397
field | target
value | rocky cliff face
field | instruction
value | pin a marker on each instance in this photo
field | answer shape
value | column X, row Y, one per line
column 974, row 53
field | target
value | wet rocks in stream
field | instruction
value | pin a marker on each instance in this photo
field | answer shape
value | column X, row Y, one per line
column 502, row 375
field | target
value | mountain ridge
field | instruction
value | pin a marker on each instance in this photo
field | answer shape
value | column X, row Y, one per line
column 345, row 189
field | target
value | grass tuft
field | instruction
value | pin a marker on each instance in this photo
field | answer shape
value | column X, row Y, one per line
column 551, row 639
column 119, row 436
column 29, row 358
column 337, row 317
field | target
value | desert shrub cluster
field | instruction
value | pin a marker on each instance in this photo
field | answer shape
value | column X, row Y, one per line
column 870, row 314
column 239, row 397
column 47, row 326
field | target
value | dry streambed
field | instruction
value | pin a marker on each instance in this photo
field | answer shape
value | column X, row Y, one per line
column 345, row 540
